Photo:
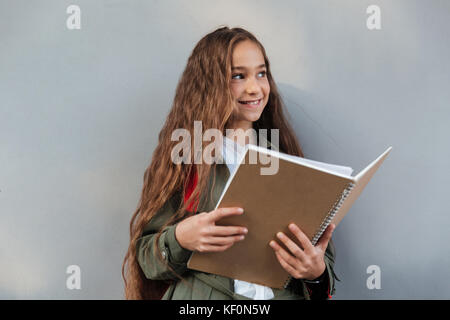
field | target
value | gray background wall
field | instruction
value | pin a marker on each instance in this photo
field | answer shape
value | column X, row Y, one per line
column 80, row 111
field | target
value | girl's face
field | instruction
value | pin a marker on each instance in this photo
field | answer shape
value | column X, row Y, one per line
column 249, row 84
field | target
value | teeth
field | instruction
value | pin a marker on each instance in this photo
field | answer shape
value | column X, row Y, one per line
column 250, row 102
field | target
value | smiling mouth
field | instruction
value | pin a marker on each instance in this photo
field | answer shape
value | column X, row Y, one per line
column 250, row 102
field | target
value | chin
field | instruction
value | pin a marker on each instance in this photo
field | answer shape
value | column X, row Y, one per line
column 253, row 118
column 249, row 115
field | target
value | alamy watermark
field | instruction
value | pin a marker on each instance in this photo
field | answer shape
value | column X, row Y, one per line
column 373, row 21
column 73, row 21
column 374, row 280
column 73, row 281
column 218, row 150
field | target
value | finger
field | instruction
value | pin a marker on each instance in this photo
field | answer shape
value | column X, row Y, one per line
column 325, row 238
column 291, row 245
column 225, row 212
column 284, row 254
column 213, row 248
column 228, row 230
column 304, row 240
column 286, row 266
column 224, row 240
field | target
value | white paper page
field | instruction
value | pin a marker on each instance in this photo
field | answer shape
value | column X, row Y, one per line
column 327, row 166
column 332, row 168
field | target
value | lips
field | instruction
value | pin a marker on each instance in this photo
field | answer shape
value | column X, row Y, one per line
column 250, row 103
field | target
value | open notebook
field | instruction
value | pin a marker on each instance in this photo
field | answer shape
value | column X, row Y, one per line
column 308, row 193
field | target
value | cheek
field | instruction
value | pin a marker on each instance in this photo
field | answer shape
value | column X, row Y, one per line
column 266, row 90
column 235, row 91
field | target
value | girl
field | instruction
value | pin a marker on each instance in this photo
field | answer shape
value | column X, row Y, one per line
column 227, row 84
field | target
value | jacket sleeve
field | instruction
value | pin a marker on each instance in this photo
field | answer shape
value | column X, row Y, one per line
column 330, row 255
column 174, row 255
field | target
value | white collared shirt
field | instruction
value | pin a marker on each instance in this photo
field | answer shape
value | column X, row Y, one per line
column 231, row 154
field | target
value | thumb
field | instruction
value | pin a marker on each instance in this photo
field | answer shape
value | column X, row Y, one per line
column 325, row 238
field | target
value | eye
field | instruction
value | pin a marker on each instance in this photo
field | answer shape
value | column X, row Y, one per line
column 237, row 76
column 262, row 74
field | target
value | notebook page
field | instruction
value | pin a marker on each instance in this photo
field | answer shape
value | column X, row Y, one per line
column 327, row 166
column 332, row 168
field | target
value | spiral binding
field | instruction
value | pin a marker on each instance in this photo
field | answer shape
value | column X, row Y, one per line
column 328, row 218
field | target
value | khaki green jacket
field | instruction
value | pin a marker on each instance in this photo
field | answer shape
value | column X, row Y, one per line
column 195, row 284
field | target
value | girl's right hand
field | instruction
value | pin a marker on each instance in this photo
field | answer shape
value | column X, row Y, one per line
column 200, row 233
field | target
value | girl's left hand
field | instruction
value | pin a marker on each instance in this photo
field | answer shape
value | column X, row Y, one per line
column 306, row 262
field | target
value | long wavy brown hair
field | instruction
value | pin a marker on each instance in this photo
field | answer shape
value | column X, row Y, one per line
column 203, row 93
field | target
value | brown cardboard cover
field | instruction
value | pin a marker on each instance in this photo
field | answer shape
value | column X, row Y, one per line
column 297, row 193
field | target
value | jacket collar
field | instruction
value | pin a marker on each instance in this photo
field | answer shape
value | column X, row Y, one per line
column 262, row 142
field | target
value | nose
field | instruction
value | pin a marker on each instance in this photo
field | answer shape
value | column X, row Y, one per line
column 252, row 86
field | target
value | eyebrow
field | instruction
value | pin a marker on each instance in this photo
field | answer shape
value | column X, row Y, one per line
column 239, row 67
